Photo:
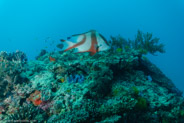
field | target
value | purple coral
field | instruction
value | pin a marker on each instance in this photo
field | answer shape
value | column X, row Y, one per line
column 45, row 105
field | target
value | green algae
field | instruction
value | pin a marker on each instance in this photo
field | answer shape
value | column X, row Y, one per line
column 182, row 113
column 135, row 90
column 141, row 103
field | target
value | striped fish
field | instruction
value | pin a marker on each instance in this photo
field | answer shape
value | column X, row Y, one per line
column 90, row 41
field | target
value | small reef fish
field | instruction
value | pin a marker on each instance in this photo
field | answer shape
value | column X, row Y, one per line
column 62, row 79
column 90, row 41
column 51, row 59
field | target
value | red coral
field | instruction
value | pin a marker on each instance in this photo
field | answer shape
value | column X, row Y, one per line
column 35, row 98
column 37, row 102
column 52, row 59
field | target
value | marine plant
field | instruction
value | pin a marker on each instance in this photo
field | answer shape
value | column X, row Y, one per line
column 119, row 43
column 119, row 50
column 182, row 113
column 118, row 90
column 147, row 44
column 141, row 103
column 164, row 120
column 144, row 43
column 135, row 90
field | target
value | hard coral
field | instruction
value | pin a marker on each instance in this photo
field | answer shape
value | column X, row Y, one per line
column 11, row 67
column 27, row 113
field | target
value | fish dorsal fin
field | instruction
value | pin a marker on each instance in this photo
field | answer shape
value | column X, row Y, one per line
column 81, row 34
column 102, row 42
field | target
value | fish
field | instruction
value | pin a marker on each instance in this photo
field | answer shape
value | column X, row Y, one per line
column 90, row 41
column 62, row 79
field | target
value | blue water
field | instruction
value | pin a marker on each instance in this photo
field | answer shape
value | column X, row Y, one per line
column 31, row 25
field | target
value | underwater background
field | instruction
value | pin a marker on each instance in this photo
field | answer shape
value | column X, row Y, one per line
column 26, row 25
column 33, row 25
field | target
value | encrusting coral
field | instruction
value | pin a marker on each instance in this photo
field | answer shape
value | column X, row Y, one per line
column 117, row 85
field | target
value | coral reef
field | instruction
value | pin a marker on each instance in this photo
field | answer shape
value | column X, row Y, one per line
column 27, row 113
column 11, row 66
column 116, row 86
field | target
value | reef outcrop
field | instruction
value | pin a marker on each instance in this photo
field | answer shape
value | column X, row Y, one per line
column 118, row 85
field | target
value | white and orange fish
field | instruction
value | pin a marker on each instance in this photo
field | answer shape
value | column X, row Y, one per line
column 90, row 41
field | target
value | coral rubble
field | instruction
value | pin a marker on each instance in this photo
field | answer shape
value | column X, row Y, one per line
column 115, row 86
